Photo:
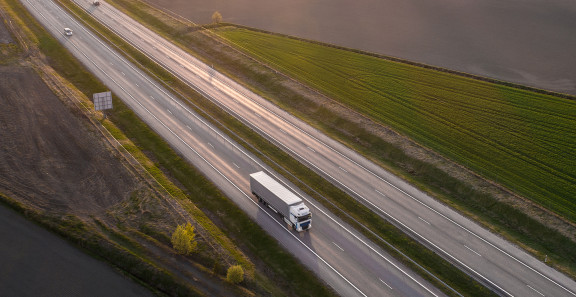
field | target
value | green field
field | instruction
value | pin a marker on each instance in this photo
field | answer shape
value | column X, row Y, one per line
column 523, row 140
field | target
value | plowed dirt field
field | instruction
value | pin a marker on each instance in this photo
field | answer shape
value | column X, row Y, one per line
column 49, row 158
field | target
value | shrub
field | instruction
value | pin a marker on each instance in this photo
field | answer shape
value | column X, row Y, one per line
column 184, row 239
column 235, row 274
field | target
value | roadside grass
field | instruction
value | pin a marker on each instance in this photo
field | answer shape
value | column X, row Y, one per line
column 288, row 273
column 201, row 189
column 241, row 133
column 521, row 139
column 9, row 53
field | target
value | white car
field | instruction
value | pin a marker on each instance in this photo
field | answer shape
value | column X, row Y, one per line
column 68, row 31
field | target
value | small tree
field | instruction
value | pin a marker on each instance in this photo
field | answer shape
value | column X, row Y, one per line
column 184, row 239
column 235, row 274
column 216, row 18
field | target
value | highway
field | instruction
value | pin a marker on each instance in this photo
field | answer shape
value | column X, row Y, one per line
column 339, row 255
column 493, row 261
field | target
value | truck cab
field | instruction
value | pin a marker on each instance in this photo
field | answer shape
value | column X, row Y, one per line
column 301, row 218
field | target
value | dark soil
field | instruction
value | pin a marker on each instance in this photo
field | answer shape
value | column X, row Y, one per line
column 48, row 156
column 527, row 42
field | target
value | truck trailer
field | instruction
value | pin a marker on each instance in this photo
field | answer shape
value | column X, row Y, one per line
column 272, row 194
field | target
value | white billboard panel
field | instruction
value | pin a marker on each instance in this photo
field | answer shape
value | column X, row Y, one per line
column 102, row 100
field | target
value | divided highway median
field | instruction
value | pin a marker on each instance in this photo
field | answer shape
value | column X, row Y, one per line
column 243, row 134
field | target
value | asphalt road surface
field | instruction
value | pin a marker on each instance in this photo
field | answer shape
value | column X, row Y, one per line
column 490, row 259
column 345, row 260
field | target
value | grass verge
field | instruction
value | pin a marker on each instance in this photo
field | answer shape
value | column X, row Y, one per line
column 9, row 53
column 176, row 193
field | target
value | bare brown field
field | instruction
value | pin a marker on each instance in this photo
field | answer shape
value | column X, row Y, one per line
column 54, row 162
column 48, row 157
column 527, row 42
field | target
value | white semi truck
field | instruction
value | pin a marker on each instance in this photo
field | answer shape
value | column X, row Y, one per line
column 281, row 200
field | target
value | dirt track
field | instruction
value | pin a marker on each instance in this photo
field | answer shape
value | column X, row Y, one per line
column 48, row 157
